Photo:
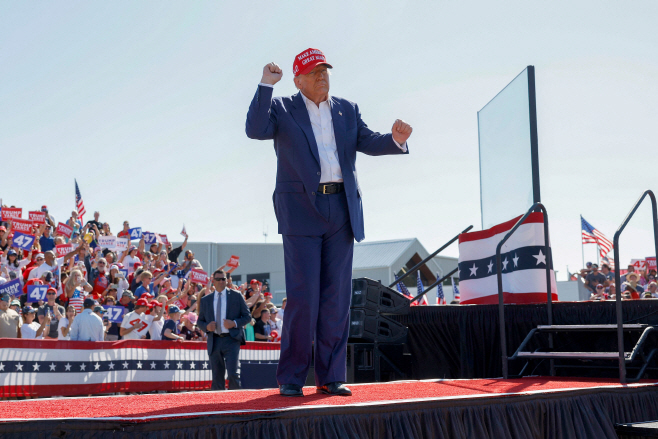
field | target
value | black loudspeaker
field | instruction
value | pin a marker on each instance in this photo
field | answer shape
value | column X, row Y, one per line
column 372, row 295
column 370, row 326
column 377, row 362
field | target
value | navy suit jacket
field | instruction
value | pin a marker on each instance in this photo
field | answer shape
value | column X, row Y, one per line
column 286, row 121
column 236, row 309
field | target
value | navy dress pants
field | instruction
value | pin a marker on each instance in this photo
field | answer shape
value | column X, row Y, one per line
column 319, row 290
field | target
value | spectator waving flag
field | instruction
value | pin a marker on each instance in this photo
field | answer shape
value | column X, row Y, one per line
column 440, row 297
column 420, row 289
column 455, row 290
column 593, row 236
column 79, row 204
column 184, row 232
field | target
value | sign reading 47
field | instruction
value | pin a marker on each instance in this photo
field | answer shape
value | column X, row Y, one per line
column 23, row 241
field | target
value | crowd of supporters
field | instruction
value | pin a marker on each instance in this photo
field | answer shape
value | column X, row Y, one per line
column 151, row 283
column 635, row 283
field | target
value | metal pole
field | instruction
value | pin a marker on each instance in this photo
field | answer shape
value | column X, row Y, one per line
column 582, row 246
column 420, row 264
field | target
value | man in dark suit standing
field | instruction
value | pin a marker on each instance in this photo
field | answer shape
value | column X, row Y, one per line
column 317, row 201
column 222, row 316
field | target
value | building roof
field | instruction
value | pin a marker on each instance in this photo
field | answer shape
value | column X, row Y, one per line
column 376, row 254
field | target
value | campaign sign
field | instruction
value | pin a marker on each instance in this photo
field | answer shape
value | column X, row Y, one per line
column 149, row 238
column 233, row 262
column 37, row 217
column 135, row 233
column 179, row 304
column 651, row 263
column 164, row 239
column 125, row 272
column 115, row 313
column 11, row 213
column 640, row 264
column 64, row 229
column 12, row 288
column 22, row 240
column 36, row 292
column 63, row 249
column 21, row 225
column 107, row 242
column 122, row 244
column 199, row 276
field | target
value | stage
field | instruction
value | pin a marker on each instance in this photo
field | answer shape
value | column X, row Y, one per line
column 463, row 341
column 489, row 408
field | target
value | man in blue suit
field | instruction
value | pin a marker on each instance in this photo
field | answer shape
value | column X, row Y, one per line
column 317, row 202
column 223, row 315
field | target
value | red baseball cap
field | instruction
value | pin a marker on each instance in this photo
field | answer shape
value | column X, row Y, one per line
column 307, row 60
column 142, row 302
column 253, row 281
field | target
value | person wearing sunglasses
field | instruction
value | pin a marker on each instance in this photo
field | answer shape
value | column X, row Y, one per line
column 48, row 309
column 223, row 315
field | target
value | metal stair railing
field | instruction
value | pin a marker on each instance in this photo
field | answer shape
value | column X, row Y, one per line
column 501, row 299
column 618, row 292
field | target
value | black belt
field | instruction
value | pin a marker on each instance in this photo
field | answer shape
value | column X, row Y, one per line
column 330, row 188
column 223, row 334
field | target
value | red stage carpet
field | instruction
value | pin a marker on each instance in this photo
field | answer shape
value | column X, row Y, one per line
column 141, row 408
column 528, row 408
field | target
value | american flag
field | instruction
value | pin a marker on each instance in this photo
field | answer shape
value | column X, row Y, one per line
column 592, row 236
column 440, row 297
column 455, row 290
column 609, row 261
column 420, row 289
column 79, row 204
column 403, row 289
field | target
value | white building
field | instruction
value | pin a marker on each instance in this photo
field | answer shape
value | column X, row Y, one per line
column 377, row 260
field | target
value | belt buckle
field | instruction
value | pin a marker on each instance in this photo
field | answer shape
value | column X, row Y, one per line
column 324, row 189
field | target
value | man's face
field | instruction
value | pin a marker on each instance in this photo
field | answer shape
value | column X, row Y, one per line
column 4, row 304
column 126, row 226
column 189, row 256
column 146, row 280
column 51, row 296
column 265, row 316
column 46, row 232
column 653, row 287
column 219, row 281
column 315, row 83
column 40, row 260
column 96, row 215
column 631, row 268
column 50, row 258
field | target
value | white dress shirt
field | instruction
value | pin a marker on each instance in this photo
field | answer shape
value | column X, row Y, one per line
column 323, row 131
column 221, row 295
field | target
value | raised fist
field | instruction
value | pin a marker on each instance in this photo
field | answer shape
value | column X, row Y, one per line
column 271, row 74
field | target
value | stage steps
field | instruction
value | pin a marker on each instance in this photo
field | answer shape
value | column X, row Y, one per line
column 638, row 357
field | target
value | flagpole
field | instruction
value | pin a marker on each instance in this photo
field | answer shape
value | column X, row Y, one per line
column 582, row 246
column 598, row 255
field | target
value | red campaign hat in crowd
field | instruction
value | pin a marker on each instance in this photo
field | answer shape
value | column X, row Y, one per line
column 137, row 264
column 268, row 294
column 3, row 229
column 51, row 289
column 142, row 302
column 253, row 281
column 154, row 303
column 307, row 60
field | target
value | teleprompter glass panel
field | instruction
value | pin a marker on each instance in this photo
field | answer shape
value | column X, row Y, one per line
column 506, row 180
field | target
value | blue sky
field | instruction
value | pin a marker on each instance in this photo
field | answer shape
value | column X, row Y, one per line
column 144, row 103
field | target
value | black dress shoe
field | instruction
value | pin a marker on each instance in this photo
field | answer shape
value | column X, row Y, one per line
column 334, row 389
column 290, row 390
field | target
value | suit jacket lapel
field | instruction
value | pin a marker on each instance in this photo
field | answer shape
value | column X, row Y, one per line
column 300, row 114
column 339, row 129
